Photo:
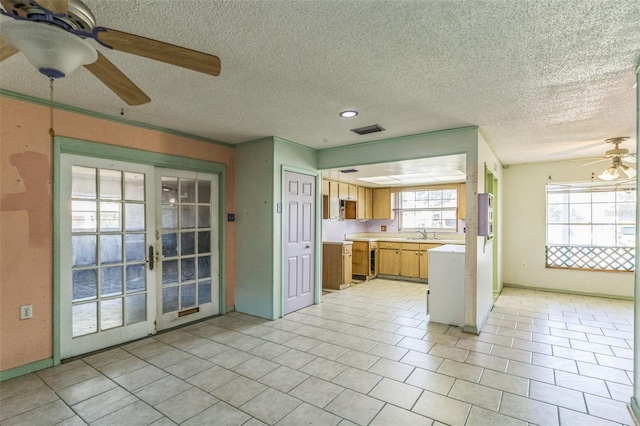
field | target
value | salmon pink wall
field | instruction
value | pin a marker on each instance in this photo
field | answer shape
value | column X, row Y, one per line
column 26, row 213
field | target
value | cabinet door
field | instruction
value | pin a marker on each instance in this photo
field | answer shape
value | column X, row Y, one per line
column 424, row 259
column 360, row 205
column 424, row 265
column 389, row 262
column 334, row 202
column 410, row 263
column 360, row 262
column 382, row 203
column 368, row 203
column 346, row 269
column 325, row 187
column 346, row 191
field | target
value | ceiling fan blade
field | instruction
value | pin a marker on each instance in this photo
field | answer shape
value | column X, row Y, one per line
column 160, row 51
column 115, row 80
column 16, row 7
column 55, row 6
column 597, row 161
column 6, row 50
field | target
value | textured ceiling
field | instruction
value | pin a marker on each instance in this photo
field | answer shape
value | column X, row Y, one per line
column 543, row 80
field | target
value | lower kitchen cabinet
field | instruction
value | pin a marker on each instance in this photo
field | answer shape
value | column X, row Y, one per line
column 389, row 258
column 365, row 259
column 336, row 265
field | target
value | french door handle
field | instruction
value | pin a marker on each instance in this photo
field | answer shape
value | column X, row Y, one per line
column 151, row 260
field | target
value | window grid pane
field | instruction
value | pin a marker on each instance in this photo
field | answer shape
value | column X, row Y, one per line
column 584, row 218
column 435, row 209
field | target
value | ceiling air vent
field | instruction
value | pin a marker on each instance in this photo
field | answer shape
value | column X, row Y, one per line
column 349, row 171
column 368, row 129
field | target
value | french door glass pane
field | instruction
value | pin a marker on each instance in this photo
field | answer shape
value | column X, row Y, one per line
column 136, row 308
column 134, row 217
column 111, row 313
column 134, row 186
column 83, row 183
column 85, row 319
column 83, row 250
column 84, row 284
column 110, row 248
column 110, row 184
column 111, row 281
column 134, row 247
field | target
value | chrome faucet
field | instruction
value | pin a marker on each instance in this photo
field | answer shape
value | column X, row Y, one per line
column 423, row 233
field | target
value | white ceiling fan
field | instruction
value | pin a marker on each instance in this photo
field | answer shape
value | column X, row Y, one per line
column 617, row 156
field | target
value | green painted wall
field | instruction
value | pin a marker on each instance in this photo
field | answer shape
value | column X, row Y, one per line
column 254, row 235
column 463, row 140
column 260, row 166
column 298, row 158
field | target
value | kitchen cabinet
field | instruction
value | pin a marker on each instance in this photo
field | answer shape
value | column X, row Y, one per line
column 365, row 259
column 365, row 203
column 410, row 260
column 347, row 191
column 336, row 265
column 334, row 201
column 424, row 260
column 389, row 258
column 325, row 187
column 382, row 204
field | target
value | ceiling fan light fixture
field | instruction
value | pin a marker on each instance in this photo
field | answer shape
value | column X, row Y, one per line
column 629, row 171
column 610, row 173
column 54, row 52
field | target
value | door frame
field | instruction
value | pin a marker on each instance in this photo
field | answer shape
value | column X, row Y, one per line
column 64, row 145
column 317, row 234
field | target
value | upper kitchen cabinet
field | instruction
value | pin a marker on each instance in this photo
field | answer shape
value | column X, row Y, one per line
column 365, row 203
column 383, row 204
column 330, row 200
column 347, row 191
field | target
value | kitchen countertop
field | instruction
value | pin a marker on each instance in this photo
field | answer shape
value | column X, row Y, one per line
column 338, row 242
column 408, row 240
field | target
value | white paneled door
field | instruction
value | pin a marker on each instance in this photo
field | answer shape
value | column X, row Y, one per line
column 138, row 251
column 299, row 237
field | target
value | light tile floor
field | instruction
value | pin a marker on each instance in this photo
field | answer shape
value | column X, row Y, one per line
column 367, row 355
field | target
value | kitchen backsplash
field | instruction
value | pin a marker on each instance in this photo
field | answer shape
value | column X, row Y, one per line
column 335, row 230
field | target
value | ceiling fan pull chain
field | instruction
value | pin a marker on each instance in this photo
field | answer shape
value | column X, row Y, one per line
column 52, row 133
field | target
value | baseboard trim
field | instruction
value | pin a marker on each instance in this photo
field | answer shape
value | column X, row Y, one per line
column 25, row 369
column 561, row 291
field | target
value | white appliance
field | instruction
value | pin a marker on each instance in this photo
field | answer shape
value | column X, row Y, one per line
column 445, row 298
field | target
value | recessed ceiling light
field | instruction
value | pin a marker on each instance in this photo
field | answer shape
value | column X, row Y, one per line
column 348, row 113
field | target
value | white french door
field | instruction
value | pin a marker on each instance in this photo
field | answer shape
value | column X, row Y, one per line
column 118, row 225
column 188, row 246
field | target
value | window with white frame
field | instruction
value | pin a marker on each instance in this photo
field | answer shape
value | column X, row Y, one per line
column 430, row 209
column 591, row 225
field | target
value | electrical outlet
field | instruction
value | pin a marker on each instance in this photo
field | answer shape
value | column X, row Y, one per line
column 26, row 312
column 524, row 265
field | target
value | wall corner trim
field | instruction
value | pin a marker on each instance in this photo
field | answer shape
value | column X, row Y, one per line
column 25, row 369
column 471, row 330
